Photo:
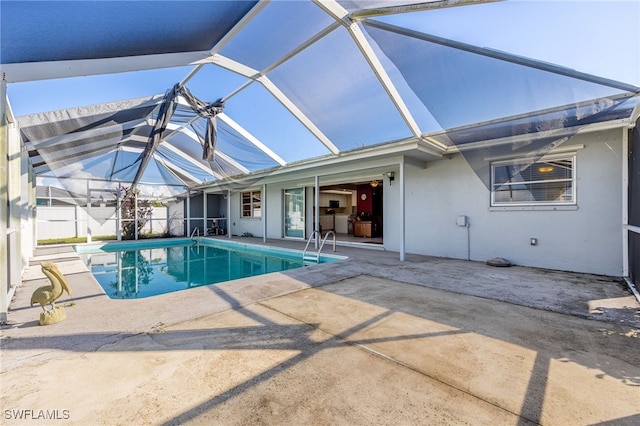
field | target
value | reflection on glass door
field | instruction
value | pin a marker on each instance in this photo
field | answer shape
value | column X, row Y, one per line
column 294, row 212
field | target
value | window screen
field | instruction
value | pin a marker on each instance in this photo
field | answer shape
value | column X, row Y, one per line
column 550, row 180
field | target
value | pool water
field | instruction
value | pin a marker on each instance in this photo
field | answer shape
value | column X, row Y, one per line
column 134, row 270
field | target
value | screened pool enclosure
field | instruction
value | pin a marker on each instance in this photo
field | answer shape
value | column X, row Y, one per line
column 172, row 97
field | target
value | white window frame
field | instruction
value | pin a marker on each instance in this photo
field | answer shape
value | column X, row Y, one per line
column 255, row 207
column 568, row 156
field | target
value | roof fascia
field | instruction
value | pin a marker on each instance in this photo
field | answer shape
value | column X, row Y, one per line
column 635, row 115
column 404, row 147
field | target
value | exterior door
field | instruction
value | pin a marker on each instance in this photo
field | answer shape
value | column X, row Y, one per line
column 294, row 213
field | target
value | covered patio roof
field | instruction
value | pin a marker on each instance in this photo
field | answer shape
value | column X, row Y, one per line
column 290, row 81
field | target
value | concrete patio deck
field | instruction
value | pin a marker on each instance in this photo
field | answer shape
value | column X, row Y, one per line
column 370, row 340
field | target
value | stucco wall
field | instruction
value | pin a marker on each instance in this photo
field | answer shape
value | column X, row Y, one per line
column 239, row 224
column 584, row 239
column 587, row 238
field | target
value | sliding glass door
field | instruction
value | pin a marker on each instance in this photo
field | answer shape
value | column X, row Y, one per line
column 294, row 212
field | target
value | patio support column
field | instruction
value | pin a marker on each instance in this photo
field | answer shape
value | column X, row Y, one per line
column 88, row 211
column 11, row 199
column 135, row 216
column 402, row 212
column 204, row 212
column 119, row 213
column 229, row 213
column 167, row 215
column 4, row 259
column 625, row 202
column 76, row 216
column 26, row 237
column 32, row 209
column 264, row 212
column 316, row 224
column 188, row 213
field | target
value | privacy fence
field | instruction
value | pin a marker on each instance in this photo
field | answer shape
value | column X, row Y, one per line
column 57, row 222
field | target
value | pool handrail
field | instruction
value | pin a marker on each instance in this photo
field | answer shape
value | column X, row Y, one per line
column 309, row 257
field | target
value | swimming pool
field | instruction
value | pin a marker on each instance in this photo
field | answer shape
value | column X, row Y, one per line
column 133, row 270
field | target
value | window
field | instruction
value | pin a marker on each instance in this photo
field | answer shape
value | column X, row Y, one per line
column 251, row 204
column 550, row 180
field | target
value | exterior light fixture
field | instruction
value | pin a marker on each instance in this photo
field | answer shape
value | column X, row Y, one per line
column 373, row 183
column 391, row 176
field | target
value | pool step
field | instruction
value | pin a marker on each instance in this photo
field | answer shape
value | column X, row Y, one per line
column 311, row 258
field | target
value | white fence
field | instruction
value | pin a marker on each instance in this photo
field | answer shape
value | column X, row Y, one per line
column 73, row 221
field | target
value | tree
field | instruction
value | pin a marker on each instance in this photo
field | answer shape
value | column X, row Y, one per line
column 128, row 212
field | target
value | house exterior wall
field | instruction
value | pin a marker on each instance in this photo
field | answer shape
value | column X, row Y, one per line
column 585, row 238
column 275, row 210
column 240, row 225
column 582, row 239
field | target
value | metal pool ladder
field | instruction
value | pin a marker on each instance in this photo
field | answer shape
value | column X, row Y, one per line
column 315, row 257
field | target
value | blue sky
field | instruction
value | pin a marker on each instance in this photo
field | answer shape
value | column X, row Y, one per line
column 601, row 38
column 596, row 37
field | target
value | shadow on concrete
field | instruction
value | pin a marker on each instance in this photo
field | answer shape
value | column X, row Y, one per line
column 552, row 338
